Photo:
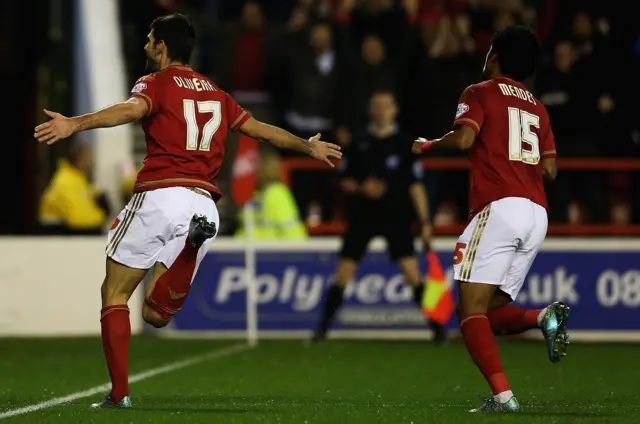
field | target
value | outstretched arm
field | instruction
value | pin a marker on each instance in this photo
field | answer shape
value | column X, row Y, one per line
column 462, row 138
column 112, row 116
column 60, row 126
column 467, row 124
column 282, row 139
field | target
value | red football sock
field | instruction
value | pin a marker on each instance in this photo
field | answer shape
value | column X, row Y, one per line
column 483, row 348
column 116, row 333
column 172, row 287
column 512, row 320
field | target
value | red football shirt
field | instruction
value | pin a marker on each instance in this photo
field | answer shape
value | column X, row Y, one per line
column 186, row 129
column 513, row 134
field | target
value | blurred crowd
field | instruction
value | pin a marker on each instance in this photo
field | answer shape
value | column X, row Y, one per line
column 312, row 65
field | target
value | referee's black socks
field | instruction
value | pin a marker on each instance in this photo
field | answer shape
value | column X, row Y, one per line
column 439, row 332
column 333, row 301
column 417, row 294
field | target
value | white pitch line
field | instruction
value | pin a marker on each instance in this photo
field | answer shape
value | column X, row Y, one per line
column 216, row 354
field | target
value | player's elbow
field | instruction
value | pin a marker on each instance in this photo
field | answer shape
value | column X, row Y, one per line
column 464, row 137
column 549, row 169
column 549, row 175
column 464, row 143
column 256, row 130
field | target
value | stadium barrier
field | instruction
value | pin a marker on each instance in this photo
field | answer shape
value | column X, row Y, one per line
column 51, row 287
column 598, row 278
column 291, row 165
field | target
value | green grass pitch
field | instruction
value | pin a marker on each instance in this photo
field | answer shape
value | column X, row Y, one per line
column 336, row 382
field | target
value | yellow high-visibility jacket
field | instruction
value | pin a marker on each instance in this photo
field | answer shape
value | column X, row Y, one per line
column 70, row 200
column 276, row 215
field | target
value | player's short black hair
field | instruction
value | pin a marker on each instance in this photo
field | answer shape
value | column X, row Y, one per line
column 518, row 50
column 178, row 34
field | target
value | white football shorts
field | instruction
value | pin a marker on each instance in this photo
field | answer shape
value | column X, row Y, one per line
column 500, row 244
column 153, row 227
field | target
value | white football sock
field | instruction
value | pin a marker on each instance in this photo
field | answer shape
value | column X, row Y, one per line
column 541, row 315
column 504, row 397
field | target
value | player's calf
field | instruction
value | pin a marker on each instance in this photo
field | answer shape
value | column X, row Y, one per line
column 169, row 288
column 118, row 285
column 510, row 320
column 478, row 336
column 552, row 322
column 167, row 294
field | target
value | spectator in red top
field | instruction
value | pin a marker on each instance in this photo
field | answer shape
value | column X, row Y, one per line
column 248, row 52
column 235, row 54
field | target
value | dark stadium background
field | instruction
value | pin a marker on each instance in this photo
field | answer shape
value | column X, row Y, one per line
column 36, row 65
column 51, row 360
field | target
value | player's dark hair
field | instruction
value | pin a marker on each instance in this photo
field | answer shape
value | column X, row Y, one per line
column 518, row 50
column 178, row 34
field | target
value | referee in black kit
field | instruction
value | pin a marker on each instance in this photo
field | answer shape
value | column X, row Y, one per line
column 382, row 180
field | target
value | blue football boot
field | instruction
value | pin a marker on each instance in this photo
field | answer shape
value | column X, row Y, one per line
column 554, row 330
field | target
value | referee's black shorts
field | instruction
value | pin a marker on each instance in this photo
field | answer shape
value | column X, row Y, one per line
column 396, row 232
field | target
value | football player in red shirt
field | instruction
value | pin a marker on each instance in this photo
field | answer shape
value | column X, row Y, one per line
column 172, row 217
column 511, row 150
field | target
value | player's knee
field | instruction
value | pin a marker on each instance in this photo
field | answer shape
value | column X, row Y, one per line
column 475, row 297
column 472, row 305
column 112, row 293
column 119, row 283
column 153, row 317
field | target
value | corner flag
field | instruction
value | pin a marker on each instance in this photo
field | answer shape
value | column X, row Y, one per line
column 437, row 300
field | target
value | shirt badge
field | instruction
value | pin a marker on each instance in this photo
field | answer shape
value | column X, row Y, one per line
column 462, row 109
column 139, row 87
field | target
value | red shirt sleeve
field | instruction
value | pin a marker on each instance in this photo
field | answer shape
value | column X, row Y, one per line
column 548, row 147
column 470, row 111
column 236, row 115
column 146, row 89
